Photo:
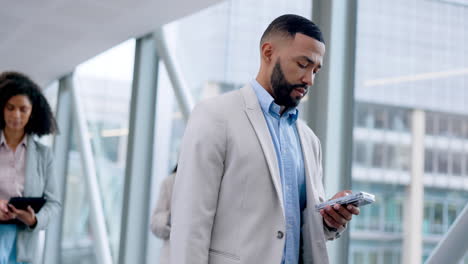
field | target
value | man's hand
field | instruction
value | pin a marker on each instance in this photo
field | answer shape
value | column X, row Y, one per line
column 338, row 215
column 5, row 214
column 28, row 217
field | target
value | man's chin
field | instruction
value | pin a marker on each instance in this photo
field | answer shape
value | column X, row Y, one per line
column 296, row 101
column 292, row 103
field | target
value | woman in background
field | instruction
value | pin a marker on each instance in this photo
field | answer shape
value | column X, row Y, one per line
column 161, row 218
column 26, row 167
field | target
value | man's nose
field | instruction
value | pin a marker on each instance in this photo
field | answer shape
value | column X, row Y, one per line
column 309, row 78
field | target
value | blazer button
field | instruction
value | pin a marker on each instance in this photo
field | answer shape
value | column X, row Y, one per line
column 280, row 235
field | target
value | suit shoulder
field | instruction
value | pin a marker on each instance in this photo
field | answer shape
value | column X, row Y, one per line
column 42, row 149
column 220, row 105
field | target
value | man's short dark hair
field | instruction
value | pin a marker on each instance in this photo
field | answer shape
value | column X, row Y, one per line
column 42, row 121
column 289, row 25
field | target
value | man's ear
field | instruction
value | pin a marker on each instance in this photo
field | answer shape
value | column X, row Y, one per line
column 267, row 52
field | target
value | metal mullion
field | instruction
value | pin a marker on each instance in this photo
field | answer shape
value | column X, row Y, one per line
column 453, row 247
column 140, row 153
column 97, row 219
column 330, row 111
column 181, row 90
column 61, row 148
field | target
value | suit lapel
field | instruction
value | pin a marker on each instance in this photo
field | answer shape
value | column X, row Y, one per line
column 31, row 167
column 314, row 238
column 309, row 165
column 258, row 122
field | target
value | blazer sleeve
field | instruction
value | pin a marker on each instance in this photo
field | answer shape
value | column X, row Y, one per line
column 161, row 218
column 197, row 184
column 53, row 205
column 330, row 234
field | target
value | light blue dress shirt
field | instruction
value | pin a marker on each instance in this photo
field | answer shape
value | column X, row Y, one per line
column 288, row 148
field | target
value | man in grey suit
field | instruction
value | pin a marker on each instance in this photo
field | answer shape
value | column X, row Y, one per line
column 250, row 172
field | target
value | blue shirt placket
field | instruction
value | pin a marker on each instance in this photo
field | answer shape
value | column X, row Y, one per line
column 286, row 141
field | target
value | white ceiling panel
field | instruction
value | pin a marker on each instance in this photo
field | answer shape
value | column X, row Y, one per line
column 47, row 39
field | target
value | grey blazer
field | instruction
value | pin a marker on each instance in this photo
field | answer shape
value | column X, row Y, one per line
column 227, row 203
column 39, row 181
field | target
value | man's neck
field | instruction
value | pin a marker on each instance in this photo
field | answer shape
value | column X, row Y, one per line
column 267, row 86
column 265, row 83
column 282, row 109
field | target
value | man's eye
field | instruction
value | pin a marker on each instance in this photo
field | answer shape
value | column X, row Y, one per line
column 302, row 66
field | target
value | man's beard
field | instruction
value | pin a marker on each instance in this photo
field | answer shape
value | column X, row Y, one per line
column 282, row 88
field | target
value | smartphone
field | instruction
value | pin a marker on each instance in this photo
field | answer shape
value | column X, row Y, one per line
column 357, row 199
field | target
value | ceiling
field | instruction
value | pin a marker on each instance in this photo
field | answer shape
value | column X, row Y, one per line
column 48, row 39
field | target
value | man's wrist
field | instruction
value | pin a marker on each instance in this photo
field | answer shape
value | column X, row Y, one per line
column 332, row 229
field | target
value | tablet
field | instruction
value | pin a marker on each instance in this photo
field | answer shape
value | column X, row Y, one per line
column 22, row 203
column 357, row 199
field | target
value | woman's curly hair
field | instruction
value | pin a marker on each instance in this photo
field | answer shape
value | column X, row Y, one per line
column 42, row 121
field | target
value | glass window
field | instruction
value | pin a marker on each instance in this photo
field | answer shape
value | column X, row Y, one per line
column 443, row 126
column 51, row 93
column 392, row 157
column 398, row 157
column 429, row 160
column 430, row 124
column 402, row 77
column 458, row 127
column 104, row 84
column 358, row 257
column 378, row 155
column 375, row 221
column 380, row 121
column 360, row 225
column 370, row 217
column 398, row 119
column 437, row 225
column 457, row 161
column 464, row 122
column 442, row 162
column 428, row 212
column 77, row 237
column 363, row 116
column 393, row 215
column 425, row 256
column 360, row 156
column 388, row 257
column 373, row 258
column 397, row 257
column 465, row 158
column 451, row 213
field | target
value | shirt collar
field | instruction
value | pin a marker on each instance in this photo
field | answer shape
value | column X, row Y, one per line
column 269, row 106
column 2, row 139
column 23, row 142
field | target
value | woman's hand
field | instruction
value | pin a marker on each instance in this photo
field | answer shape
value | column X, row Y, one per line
column 28, row 217
column 5, row 213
